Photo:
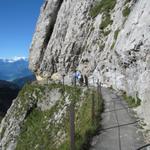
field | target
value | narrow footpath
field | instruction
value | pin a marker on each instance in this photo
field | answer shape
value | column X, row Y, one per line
column 119, row 127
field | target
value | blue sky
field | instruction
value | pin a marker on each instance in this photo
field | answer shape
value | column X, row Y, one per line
column 17, row 25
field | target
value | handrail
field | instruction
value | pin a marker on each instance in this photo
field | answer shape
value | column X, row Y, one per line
column 143, row 146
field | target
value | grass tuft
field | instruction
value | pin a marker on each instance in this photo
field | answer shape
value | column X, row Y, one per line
column 131, row 101
column 127, row 1
column 126, row 11
column 116, row 34
column 113, row 45
column 106, row 20
column 102, row 6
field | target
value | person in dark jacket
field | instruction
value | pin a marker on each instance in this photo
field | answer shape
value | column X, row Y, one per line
column 86, row 80
column 81, row 80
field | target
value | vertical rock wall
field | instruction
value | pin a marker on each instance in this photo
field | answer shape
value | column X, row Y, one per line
column 118, row 54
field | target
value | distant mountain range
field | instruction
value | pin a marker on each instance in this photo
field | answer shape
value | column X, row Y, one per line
column 20, row 82
column 11, row 69
column 15, row 72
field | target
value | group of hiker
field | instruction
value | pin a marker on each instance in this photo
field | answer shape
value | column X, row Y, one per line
column 79, row 78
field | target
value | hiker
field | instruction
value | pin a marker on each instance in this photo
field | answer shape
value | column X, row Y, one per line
column 86, row 80
column 63, row 79
column 81, row 80
column 77, row 76
column 74, row 78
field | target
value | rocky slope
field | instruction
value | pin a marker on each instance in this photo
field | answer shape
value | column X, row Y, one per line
column 39, row 118
column 108, row 40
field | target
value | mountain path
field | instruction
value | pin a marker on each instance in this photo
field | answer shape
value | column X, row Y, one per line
column 120, row 129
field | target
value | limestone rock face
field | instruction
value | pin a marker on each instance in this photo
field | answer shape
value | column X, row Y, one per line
column 41, row 98
column 117, row 52
column 39, row 117
column 69, row 25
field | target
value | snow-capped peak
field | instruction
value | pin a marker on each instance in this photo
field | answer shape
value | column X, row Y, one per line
column 14, row 59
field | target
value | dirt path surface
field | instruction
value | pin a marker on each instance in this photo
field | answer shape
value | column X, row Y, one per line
column 119, row 126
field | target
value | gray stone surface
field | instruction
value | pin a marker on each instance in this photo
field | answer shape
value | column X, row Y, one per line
column 67, row 36
column 120, row 130
column 45, row 99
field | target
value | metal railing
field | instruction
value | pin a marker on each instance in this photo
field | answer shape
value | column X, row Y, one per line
column 145, row 147
column 72, row 112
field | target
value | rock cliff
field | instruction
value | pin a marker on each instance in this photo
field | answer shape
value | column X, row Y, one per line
column 106, row 39
column 39, row 118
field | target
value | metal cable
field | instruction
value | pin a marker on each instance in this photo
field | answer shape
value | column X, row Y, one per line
column 118, row 127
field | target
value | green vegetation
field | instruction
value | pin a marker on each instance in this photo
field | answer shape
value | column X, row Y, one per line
column 116, row 34
column 126, row 11
column 30, row 93
column 127, row 1
column 103, row 6
column 105, row 33
column 43, row 130
column 113, row 45
column 115, row 38
column 106, row 20
column 131, row 101
column 85, row 126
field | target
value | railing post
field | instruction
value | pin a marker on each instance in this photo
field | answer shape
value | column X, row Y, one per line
column 100, row 89
column 75, row 80
column 63, row 82
column 72, row 126
column 93, row 108
column 63, row 76
column 99, row 92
